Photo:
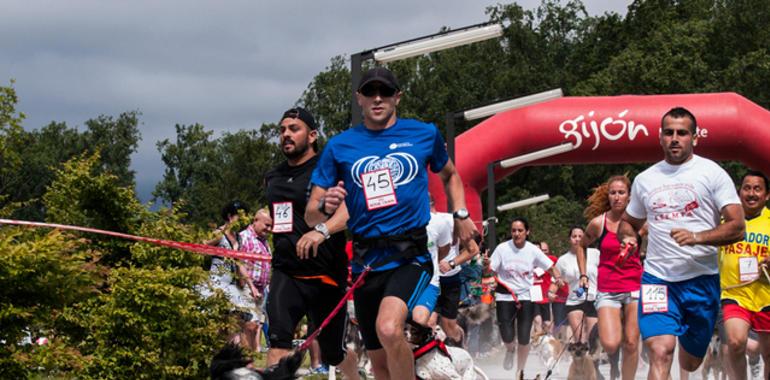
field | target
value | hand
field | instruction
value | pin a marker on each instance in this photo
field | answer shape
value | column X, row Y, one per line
column 628, row 240
column 334, row 197
column 464, row 230
column 551, row 295
column 444, row 266
column 309, row 242
column 583, row 282
column 255, row 292
column 684, row 237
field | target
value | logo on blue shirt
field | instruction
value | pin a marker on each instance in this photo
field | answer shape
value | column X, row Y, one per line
column 403, row 167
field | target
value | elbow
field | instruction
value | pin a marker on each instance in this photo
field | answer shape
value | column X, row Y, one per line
column 739, row 232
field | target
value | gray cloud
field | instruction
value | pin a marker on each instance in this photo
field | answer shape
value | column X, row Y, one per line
column 228, row 65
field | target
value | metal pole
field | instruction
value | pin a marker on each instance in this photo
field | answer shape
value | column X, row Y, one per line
column 355, row 77
column 491, row 231
column 450, row 135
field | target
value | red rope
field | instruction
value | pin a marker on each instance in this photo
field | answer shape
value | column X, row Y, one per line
column 343, row 301
column 189, row 247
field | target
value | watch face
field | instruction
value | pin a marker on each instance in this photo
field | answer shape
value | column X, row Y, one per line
column 461, row 213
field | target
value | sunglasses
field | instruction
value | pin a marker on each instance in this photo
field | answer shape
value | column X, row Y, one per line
column 383, row 91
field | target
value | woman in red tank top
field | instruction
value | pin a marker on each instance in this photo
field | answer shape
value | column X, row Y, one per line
column 619, row 274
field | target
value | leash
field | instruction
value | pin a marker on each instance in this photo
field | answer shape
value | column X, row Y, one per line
column 306, row 344
column 189, row 247
column 580, row 338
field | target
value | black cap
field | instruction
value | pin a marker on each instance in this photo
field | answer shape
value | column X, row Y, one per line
column 382, row 75
column 302, row 114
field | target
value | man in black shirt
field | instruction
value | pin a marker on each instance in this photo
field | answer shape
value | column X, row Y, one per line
column 309, row 262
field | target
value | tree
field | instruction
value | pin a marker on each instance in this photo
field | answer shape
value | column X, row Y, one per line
column 206, row 173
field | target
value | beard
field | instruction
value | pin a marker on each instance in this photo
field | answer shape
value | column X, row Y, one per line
column 299, row 150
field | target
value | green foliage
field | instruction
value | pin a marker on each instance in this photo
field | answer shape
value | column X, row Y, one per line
column 151, row 323
column 42, row 151
column 206, row 173
column 40, row 276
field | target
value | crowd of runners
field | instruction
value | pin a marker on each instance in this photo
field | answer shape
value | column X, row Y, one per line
column 662, row 261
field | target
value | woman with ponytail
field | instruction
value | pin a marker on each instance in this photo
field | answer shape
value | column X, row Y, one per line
column 619, row 274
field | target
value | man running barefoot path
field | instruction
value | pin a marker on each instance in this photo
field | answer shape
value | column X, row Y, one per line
column 682, row 199
column 378, row 169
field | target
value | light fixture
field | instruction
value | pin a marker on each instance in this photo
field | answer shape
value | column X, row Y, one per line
column 523, row 202
column 482, row 112
column 537, row 155
column 441, row 42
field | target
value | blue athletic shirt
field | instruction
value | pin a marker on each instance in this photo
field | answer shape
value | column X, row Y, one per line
column 406, row 148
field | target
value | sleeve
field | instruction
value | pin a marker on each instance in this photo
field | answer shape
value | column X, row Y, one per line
column 541, row 260
column 445, row 236
column 724, row 190
column 325, row 173
column 439, row 157
column 635, row 206
column 496, row 261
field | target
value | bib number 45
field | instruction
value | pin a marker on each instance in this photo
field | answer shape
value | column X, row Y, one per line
column 379, row 190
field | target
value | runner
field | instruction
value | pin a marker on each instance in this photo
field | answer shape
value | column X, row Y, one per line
column 309, row 264
column 542, row 322
column 439, row 244
column 747, row 306
column 516, row 263
column 618, row 279
column 682, row 199
column 253, row 239
column 581, row 312
column 378, row 168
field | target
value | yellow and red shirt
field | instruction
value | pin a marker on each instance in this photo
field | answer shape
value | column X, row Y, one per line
column 737, row 265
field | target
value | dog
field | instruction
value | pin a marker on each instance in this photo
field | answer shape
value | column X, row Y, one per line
column 547, row 347
column 435, row 361
column 231, row 364
column 476, row 314
column 582, row 366
column 713, row 360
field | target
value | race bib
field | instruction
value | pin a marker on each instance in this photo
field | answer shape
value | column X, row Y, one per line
column 378, row 189
column 536, row 294
column 283, row 217
column 538, row 272
column 635, row 295
column 654, row 299
column 748, row 268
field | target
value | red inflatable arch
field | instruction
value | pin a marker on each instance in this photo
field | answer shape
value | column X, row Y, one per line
column 606, row 130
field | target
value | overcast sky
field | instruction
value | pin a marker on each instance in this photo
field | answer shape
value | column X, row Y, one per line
column 228, row 65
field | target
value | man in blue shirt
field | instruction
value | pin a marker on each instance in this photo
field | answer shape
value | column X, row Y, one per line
column 378, row 169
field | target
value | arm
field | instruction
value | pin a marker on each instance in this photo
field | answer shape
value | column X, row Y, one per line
column 628, row 229
column 555, row 282
column 592, row 233
column 333, row 198
column 466, row 254
column 312, row 239
column 453, row 186
column 729, row 232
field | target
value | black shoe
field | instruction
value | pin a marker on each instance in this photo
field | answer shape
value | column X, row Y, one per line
column 508, row 362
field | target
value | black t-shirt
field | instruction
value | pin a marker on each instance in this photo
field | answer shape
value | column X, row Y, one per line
column 292, row 184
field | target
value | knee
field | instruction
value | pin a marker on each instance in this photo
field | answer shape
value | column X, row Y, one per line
column 736, row 346
column 631, row 345
column 661, row 353
column 389, row 332
column 690, row 366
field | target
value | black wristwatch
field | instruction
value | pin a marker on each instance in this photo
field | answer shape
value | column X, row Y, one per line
column 452, row 263
column 461, row 214
column 322, row 207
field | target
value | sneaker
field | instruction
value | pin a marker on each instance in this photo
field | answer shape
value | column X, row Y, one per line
column 756, row 371
column 508, row 362
column 322, row 369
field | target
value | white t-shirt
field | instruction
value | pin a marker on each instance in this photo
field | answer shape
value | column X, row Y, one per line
column 568, row 267
column 439, row 235
column 515, row 268
column 689, row 196
column 455, row 249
